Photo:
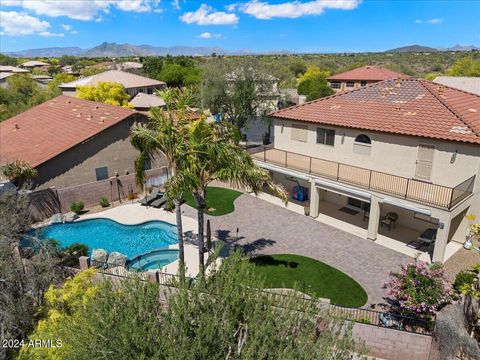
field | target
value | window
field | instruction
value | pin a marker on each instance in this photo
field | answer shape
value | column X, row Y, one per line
column 299, row 132
column 363, row 83
column 350, row 84
column 362, row 138
column 149, row 91
column 325, row 136
column 101, row 173
column 335, row 85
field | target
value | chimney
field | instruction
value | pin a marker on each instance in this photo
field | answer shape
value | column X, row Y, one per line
column 302, row 99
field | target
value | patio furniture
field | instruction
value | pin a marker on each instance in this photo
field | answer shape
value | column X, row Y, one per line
column 428, row 237
column 389, row 220
column 151, row 197
column 159, row 202
column 389, row 320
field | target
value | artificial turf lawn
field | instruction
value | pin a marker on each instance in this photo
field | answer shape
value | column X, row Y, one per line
column 219, row 199
column 311, row 277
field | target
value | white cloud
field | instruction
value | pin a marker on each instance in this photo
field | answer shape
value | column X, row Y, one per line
column 15, row 23
column 66, row 27
column 82, row 9
column 294, row 9
column 206, row 15
column 207, row 35
column 431, row 21
column 175, row 4
column 49, row 34
column 11, row 2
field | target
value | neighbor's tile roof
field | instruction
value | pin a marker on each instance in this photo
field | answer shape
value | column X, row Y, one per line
column 128, row 80
column 368, row 73
column 465, row 83
column 34, row 63
column 142, row 100
column 47, row 130
column 12, row 69
column 408, row 107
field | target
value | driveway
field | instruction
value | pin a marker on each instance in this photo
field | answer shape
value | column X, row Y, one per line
column 265, row 228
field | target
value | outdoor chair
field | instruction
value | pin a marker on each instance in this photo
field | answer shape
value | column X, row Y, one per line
column 389, row 220
column 150, row 197
column 160, row 201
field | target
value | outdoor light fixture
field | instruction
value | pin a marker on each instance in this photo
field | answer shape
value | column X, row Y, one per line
column 453, row 157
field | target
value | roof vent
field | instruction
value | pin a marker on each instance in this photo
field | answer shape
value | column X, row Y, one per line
column 69, row 101
column 17, row 127
column 441, row 89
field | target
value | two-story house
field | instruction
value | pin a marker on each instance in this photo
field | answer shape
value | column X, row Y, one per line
column 396, row 161
column 133, row 84
column 362, row 76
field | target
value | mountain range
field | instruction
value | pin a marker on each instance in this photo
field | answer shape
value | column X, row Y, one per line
column 117, row 50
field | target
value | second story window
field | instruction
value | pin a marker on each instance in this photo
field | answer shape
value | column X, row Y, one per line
column 325, row 136
column 350, row 84
column 299, row 132
column 362, row 145
column 362, row 138
column 335, row 85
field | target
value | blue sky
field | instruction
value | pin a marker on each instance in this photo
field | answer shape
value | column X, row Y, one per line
column 256, row 25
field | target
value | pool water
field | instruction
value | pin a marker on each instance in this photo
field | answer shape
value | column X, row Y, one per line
column 155, row 259
column 130, row 240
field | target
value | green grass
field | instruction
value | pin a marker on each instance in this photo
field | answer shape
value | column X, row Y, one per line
column 219, row 200
column 311, row 277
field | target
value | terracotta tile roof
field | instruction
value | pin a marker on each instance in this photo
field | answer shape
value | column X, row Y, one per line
column 368, row 73
column 142, row 100
column 49, row 129
column 408, row 107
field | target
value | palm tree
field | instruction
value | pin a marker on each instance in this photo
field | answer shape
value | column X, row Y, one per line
column 164, row 136
column 213, row 154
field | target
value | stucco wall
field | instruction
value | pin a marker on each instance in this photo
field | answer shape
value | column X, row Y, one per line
column 393, row 154
column 110, row 148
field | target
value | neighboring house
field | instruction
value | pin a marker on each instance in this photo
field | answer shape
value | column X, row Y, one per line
column 408, row 147
column 68, row 69
column 144, row 102
column 362, row 76
column 30, row 65
column 42, row 79
column 130, row 65
column 132, row 83
column 72, row 141
column 3, row 78
column 12, row 69
column 465, row 83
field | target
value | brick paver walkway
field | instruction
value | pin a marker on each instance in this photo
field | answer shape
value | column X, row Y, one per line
column 265, row 228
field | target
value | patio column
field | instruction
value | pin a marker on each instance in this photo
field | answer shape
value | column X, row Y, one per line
column 374, row 218
column 441, row 240
column 314, row 199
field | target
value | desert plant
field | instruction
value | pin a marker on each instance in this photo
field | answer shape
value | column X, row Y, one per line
column 463, row 278
column 132, row 196
column 419, row 289
column 77, row 206
column 104, row 202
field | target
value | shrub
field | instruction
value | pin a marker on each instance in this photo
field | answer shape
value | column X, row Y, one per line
column 418, row 289
column 463, row 278
column 132, row 196
column 77, row 206
column 104, row 202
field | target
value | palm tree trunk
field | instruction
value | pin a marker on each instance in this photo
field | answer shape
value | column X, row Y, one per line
column 181, row 247
column 200, row 200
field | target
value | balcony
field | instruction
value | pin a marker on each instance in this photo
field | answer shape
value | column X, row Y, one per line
column 411, row 189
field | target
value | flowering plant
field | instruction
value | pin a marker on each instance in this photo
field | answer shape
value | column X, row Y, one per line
column 419, row 289
column 475, row 229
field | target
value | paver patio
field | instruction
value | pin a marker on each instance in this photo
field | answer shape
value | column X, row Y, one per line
column 265, row 228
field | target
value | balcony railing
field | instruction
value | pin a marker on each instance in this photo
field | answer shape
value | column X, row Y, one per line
column 411, row 189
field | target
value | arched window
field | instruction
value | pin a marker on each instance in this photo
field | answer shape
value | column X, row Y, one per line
column 362, row 138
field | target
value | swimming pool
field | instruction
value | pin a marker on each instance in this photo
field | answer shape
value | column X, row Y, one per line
column 155, row 259
column 130, row 240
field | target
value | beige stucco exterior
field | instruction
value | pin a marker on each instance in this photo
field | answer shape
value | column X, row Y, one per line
column 389, row 153
column 110, row 148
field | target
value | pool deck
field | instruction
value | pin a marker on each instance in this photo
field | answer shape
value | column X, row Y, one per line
column 131, row 214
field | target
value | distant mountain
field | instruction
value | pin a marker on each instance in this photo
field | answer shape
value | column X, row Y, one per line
column 48, row 52
column 413, row 48
column 460, row 48
column 117, row 50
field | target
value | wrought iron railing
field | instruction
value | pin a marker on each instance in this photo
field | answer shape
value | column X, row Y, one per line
column 411, row 189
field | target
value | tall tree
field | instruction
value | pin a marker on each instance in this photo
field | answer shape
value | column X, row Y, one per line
column 164, row 136
column 213, row 154
column 106, row 92
column 314, row 84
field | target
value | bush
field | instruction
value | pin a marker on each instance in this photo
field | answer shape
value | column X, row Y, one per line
column 463, row 278
column 77, row 206
column 418, row 289
column 104, row 202
column 132, row 196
